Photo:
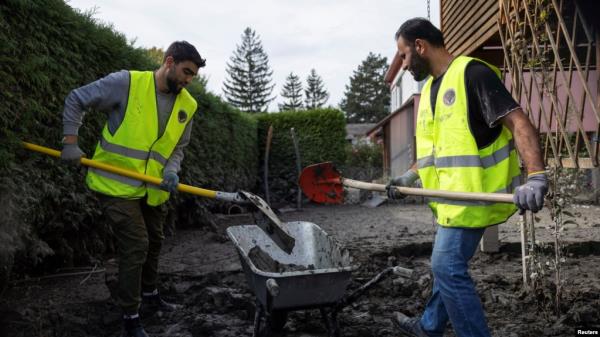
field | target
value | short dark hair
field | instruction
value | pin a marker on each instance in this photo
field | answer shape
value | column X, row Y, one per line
column 420, row 28
column 184, row 51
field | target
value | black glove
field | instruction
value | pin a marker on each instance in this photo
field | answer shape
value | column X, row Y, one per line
column 530, row 196
column 407, row 179
column 71, row 153
column 170, row 181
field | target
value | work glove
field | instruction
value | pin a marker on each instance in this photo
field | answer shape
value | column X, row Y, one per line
column 170, row 181
column 407, row 179
column 71, row 153
column 530, row 196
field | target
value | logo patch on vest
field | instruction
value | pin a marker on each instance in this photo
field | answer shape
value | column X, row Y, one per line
column 449, row 97
column 182, row 116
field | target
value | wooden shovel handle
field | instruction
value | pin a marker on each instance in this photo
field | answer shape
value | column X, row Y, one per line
column 471, row 196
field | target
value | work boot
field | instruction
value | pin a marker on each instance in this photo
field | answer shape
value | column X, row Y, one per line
column 153, row 302
column 132, row 327
column 409, row 326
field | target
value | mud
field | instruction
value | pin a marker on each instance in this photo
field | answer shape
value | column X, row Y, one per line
column 203, row 274
column 263, row 261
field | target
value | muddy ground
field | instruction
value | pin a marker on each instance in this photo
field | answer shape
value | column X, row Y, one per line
column 202, row 273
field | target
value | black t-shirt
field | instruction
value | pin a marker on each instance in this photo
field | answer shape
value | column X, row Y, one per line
column 488, row 102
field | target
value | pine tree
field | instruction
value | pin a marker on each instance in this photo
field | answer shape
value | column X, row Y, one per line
column 292, row 92
column 367, row 98
column 248, row 86
column 316, row 95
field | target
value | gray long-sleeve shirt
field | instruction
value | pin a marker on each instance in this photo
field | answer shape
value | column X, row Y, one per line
column 109, row 95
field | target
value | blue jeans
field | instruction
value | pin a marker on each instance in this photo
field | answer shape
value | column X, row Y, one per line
column 453, row 294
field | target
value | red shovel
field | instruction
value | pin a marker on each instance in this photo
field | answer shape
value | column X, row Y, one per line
column 323, row 183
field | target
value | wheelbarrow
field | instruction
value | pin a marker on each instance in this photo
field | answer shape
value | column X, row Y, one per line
column 314, row 276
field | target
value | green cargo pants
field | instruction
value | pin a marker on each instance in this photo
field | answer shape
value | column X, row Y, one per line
column 138, row 230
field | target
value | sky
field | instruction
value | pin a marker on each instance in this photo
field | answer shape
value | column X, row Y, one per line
column 331, row 36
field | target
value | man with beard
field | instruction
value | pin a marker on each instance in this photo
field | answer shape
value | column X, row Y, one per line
column 466, row 131
column 149, row 123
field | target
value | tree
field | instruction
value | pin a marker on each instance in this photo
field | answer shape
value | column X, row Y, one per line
column 292, row 92
column 248, row 86
column 316, row 95
column 156, row 54
column 367, row 98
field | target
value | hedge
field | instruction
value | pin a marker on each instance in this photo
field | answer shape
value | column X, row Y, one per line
column 321, row 137
column 49, row 218
column 222, row 155
column 48, row 49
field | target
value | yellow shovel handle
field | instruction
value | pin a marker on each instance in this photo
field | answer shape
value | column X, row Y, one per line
column 124, row 172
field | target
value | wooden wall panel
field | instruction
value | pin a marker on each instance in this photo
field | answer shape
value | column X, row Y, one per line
column 467, row 24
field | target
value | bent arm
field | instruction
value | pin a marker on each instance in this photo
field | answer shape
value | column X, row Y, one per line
column 526, row 139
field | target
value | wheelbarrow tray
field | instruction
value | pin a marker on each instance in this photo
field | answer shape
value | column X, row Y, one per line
column 324, row 283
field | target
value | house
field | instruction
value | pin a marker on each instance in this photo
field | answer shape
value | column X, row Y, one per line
column 546, row 53
column 356, row 132
column 396, row 131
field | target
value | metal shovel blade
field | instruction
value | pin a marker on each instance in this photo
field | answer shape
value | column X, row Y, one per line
column 274, row 228
column 321, row 183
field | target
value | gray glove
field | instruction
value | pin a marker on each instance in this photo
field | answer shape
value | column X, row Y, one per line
column 530, row 196
column 170, row 181
column 71, row 153
column 407, row 179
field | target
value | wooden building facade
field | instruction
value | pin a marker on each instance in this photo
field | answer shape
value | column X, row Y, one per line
column 548, row 51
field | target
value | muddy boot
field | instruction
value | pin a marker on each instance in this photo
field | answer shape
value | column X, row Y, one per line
column 409, row 326
column 153, row 302
column 132, row 327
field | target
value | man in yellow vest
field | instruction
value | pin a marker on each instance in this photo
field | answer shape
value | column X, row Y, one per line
column 468, row 127
column 149, row 123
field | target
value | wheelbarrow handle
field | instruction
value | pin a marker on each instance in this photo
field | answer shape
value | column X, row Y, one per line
column 401, row 271
column 470, row 196
column 272, row 287
column 224, row 196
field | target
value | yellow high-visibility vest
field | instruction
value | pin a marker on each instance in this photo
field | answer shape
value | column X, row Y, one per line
column 448, row 157
column 136, row 144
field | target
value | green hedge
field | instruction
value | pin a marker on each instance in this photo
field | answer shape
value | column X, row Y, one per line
column 48, row 49
column 364, row 161
column 222, row 155
column 49, row 218
column 321, row 137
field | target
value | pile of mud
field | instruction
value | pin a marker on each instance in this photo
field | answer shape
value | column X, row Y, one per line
column 263, row 261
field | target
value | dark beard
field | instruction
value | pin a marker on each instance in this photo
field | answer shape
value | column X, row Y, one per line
column 172, row 86
column 419, row 67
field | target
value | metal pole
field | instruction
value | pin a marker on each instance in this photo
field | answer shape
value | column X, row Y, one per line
column 524, row 252
column 298, row 166
column 266, row 171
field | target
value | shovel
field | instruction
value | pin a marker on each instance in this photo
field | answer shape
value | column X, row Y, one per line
column 273, row 228
column 323, row 183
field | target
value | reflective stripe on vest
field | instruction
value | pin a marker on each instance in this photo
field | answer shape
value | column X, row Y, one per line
column 448, row 157
column 470, row 160
column 136, row 144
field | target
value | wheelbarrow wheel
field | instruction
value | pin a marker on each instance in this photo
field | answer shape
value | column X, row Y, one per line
column 274, row 324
